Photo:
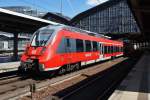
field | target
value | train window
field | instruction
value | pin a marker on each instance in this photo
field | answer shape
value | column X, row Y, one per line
column 66, row 45
column 120, row 49
column 112, row 49
column 88, row 45
column 95, row 47
column 68, row 42
column 61, row 47
column 109, row 49
column 105, row 49
column 79, row 45
column 102, row 49
column 72, row 47
column 116, row 49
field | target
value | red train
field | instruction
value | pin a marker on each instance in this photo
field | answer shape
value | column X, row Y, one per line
column 64, row 48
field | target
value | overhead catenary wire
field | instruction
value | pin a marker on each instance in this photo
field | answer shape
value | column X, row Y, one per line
column 71, row 5
column 34, row 5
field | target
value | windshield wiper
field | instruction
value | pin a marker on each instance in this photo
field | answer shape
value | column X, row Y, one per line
column 43, row 41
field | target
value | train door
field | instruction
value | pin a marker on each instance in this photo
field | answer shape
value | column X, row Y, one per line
column 101, row 50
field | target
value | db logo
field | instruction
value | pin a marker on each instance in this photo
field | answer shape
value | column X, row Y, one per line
column 33, row 51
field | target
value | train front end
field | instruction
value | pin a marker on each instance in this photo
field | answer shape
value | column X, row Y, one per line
column 38, row 51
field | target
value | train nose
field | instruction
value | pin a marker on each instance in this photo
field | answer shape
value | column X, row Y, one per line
column 36, row 51
column 30, row 66
column 26, row 66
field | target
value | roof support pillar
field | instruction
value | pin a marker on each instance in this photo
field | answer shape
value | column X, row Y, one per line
column 15, row 47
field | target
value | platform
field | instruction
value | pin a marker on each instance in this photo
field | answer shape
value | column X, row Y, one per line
column 136, row 85
column 10, row 66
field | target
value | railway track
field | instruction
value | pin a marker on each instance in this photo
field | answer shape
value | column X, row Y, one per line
column 6, row 75
column 18, row 87
column 71, row 79
column 99, row 86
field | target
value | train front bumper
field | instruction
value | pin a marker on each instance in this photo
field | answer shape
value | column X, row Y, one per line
column 31, row 65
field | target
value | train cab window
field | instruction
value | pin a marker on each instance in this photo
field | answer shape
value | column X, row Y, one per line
column 79, row 45
column 88, row 45
column 41, row 37
column 95, row 46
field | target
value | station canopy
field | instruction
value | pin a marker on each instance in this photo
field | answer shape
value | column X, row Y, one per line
column 14, row 22
column 141, row 11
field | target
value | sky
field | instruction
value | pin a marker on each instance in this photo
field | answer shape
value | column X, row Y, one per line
column 70, row 8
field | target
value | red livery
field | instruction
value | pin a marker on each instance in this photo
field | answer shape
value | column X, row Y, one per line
column 63, row 47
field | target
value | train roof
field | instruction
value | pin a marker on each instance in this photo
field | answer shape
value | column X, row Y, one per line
column 74, row 29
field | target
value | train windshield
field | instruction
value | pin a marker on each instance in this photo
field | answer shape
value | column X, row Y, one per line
column 41, row 37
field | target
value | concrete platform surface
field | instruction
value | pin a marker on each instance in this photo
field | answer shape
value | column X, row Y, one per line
column 136, row 86
column 10, row 66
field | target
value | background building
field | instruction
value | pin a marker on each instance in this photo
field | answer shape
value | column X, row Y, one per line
column 57, row 17
column 6, row 43
column 113, row 16
column 25, row 10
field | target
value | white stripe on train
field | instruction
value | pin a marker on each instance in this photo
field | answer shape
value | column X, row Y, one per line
column 85, row 62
